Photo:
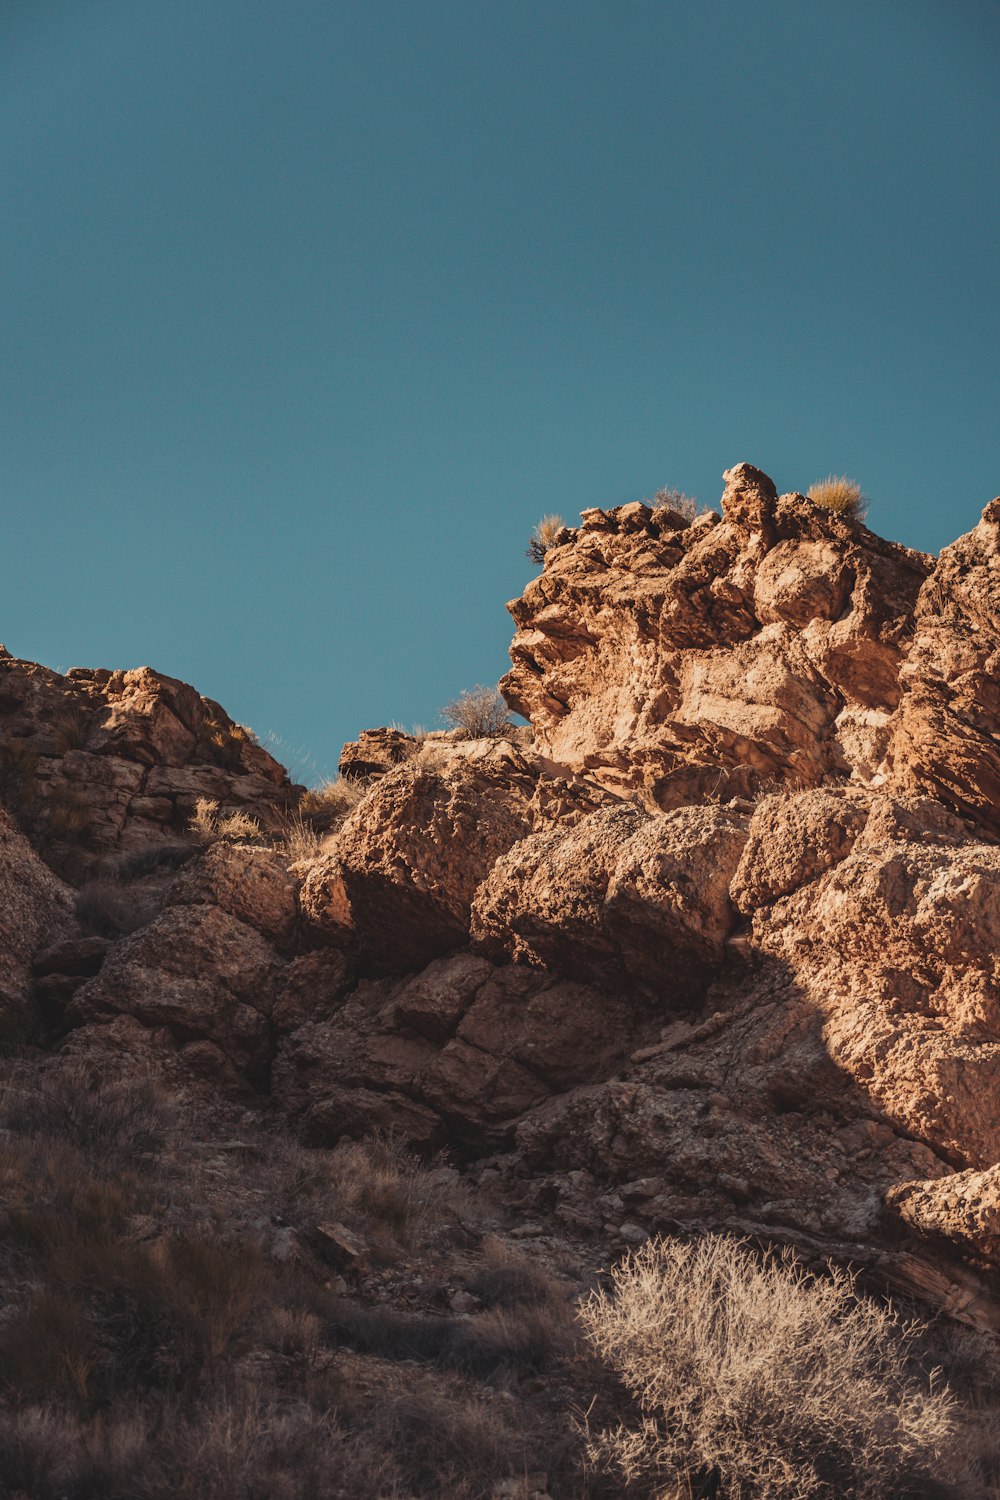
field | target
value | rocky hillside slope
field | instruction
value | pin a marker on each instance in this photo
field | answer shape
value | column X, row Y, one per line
column 715, row 944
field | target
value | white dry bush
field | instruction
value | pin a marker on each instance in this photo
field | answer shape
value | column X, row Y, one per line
column 767, row 1379
column 685, row 506
column 480, row 713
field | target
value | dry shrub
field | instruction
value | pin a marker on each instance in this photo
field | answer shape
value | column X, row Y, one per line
column 543, row 537
column 208, row 822
column 760, row 1376
column 104, row 908
column 839, row 494
column 686, row 507
column 327, row 805
column 115, row 1124
column 300, row 840
column 480, row 713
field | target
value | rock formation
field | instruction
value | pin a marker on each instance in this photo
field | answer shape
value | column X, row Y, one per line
column 715, row 943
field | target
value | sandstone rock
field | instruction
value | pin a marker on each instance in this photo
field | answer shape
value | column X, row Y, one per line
column 620, row 896
column 36, row 910
column 196, row 971
column 946, row 733
column 135, row 748
column 409, row 859
column 963, row 1209
column 684, row 663
column 250, row 883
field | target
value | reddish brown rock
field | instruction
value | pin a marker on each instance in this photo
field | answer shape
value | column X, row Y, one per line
column 457, row 1052
column 620, row 896
column 36, row 910
column 135, row 749
column 196, row 972
column 946, row 733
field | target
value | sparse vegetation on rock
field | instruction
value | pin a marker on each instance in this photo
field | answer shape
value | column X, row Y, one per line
column 711, row 949
column 840, row 495
column 480, row 713
column 543, row 537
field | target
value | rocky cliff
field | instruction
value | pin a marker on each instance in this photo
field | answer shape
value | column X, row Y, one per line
column 716, row 943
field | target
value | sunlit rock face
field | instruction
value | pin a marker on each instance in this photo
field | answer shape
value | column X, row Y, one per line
column 686, row 661
column 133, row 750
column 714, row 942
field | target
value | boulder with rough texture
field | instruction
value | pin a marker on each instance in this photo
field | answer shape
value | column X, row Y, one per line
column 398, row 887
column 619, row 897
column 946, row 733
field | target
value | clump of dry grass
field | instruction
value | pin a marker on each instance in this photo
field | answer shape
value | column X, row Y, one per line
column 300, row 840
column 839, row 494
column 208, row 822
column 325, row 806
column 480, row 713
column 684, row 506
column 771, row 1381
column 543, row 537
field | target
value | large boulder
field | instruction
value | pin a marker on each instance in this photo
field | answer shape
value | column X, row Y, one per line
column 619, row 897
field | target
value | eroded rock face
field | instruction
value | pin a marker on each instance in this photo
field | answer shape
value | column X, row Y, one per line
column 455, row 1054
column 36, row 911
column 946, row 734
column 685, row 662
column 721, row 947
column 621, row 895
column 134, row 750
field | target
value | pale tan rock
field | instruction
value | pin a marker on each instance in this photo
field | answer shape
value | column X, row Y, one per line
column 683, row 664
column 793, row 838
column 945, row 733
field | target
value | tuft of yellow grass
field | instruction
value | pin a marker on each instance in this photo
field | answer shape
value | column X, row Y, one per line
column 543, row 537
column 839, row 494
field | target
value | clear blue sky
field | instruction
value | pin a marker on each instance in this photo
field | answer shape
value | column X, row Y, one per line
column 311, row 309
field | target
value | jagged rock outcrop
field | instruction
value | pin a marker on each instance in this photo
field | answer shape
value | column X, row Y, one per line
column 684, row 661
column 124, row 756
column 718, row 946
column 946, row 733
column 410, row 858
